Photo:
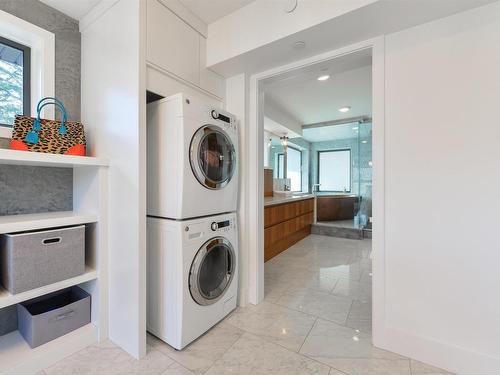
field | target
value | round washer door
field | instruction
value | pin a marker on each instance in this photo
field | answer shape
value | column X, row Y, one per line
column 212, row 271
column 212, row 157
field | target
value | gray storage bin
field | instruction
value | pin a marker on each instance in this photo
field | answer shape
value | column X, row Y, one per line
column 34, row 259
column 46, row 318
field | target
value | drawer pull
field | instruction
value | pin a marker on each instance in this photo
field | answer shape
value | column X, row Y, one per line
column 65, row 315
column 50, row 241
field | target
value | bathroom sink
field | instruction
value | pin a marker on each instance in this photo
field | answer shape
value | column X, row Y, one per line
column 282, row 193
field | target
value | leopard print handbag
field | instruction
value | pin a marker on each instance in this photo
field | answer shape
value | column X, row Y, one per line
column 49, row 136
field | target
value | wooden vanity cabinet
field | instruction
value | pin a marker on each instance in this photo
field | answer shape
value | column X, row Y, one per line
column 285, row 224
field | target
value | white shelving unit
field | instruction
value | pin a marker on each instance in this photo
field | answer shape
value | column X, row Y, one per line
column 89, row 207
column 19, row 223
column 41, row 159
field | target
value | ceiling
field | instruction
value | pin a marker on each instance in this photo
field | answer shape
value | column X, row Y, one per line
column 344, row 131
column 211, row 10
column 76, row 9
column 310, row 101
column 207, row 10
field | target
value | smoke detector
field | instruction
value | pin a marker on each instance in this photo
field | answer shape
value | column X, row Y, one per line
column 290, row 6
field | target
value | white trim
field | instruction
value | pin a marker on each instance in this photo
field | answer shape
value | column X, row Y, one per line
column 95, row 13
column 255, row 216
column 5, row 131
column 42, row 44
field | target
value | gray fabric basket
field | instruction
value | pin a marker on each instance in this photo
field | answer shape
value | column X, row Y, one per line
column 46, row 318
column 34, row 259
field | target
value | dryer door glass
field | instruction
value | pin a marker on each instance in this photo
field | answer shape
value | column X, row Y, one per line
column 212, row 271
column 212, row 157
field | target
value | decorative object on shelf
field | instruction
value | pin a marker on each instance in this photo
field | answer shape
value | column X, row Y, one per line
column 48, row 317
column 49, row 136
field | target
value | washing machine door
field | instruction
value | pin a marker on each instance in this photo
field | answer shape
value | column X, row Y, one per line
column 212, row 271
column 212, row 156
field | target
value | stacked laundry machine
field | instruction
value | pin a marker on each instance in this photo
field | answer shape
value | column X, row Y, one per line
column 192, row 232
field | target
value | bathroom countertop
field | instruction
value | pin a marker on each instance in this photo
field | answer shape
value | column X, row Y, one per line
column 271, row 201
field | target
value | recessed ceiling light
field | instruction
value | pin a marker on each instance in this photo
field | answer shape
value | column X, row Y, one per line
column 355, row 128
column 364, row 141
column 323, row 77
column 344, row 109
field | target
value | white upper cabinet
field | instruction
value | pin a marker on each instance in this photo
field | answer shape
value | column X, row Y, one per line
column 209, row 80
column 172, row 44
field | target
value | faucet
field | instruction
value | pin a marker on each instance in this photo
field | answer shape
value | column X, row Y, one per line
column 317, row 188
column 286, row 187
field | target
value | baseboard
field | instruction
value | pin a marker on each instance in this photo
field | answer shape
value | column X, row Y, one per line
column 442, row 355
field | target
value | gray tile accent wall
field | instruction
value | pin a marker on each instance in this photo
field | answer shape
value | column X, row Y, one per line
column 29, row 189
column 35, row 189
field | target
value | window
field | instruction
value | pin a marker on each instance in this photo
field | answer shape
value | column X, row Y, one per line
column 14, row 80
column 294, row 167
column 334, row 170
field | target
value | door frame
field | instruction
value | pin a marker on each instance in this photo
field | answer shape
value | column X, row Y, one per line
column 255, row 191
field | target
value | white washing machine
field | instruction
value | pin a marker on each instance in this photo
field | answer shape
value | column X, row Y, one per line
column 192, row 276
column 192, row 158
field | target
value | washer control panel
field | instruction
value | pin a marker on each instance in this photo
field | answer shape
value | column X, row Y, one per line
column 222, row 226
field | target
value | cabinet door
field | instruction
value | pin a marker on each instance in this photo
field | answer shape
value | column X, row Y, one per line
column 210, row 81
column 172, row 44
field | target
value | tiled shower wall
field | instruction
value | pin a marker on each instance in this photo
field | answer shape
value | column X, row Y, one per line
column 31, row 189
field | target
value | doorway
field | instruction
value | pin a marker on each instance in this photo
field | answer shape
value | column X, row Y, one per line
column 256, row 174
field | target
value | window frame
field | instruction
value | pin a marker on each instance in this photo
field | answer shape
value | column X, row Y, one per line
column 42, row 44
column 278, row 155
column 301, row 156
column 278, row 170
column 350, row 170
column 26, row 74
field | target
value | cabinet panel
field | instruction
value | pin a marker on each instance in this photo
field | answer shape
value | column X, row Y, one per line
column 286, row 224
column 172, row 44
column 209, row 80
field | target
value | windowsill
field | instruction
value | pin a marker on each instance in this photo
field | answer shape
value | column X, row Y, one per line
column 5, row 131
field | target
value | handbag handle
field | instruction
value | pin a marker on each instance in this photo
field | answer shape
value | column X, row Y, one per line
column 46, row 99
column 32, row 136
column 62, row 128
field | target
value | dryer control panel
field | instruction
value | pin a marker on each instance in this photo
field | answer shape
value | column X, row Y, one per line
column 226, row 119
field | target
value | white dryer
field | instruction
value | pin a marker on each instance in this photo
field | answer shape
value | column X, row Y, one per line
column 192, row 158
column 192, row 276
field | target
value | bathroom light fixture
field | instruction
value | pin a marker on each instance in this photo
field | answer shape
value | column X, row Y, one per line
column 284, row 141
column 355, row 128
column 344, row 109
column 364, row 141
column 323, row 77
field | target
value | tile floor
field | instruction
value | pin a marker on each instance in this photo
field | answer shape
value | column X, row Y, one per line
column 315, row 319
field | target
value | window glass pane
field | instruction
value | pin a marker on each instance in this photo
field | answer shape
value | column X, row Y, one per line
column 280, row 165
column 335, row 170
column 294, row 170
column 11, row 83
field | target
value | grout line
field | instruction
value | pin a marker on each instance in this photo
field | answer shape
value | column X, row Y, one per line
column 308, row 333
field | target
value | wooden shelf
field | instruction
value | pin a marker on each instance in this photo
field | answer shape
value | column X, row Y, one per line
column 16, row 357
column 7, row 299
column 20, row 223
column 41, row 159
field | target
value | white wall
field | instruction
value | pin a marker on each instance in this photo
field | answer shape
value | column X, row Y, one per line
column 113, row 97
column 236, row 34
column 236, row 103
column 280, row 118
column 442, row 255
